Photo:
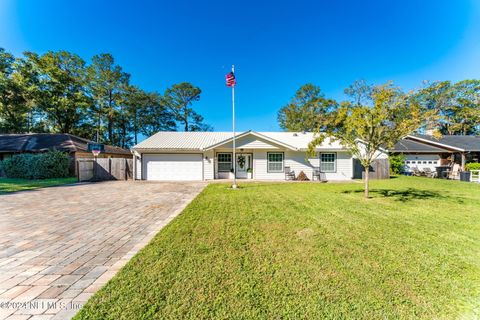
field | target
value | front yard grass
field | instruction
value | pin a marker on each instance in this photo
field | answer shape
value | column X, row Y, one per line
column 308, row 251
column 12, row 185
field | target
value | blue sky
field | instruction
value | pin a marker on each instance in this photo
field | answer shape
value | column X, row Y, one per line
column 276, row 46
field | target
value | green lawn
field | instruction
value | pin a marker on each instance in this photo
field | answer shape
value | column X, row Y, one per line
column 310, row 251
column 12, row 185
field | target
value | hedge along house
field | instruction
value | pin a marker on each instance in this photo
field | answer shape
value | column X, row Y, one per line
column 76, row 147
column 259, row 155
column 426, row 151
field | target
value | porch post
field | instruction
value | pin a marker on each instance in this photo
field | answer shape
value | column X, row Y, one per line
column 464, row 160
column 134, row 173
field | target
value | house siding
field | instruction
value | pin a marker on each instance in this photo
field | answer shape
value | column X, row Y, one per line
column 260, row 166
column 344, row 167
column 250, row 142
column 208, row 165
column 297, row 161
column 138, row 168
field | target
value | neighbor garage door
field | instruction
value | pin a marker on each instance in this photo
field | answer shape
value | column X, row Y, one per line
column 173, row 166
column 422, row 161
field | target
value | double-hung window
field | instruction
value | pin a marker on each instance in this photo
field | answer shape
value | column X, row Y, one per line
column 224, row 161
column 328, row 162
column 275, row 161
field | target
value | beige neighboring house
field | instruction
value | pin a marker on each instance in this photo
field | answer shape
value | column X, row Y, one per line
column 76, row 147
column 259, row 155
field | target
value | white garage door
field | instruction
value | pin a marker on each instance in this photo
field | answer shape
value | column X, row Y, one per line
column 421, row 162
column 173, row 166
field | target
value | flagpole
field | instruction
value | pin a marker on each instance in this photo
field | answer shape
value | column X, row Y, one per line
column 234, row 186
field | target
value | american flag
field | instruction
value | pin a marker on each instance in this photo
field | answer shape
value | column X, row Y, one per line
column 230, row 79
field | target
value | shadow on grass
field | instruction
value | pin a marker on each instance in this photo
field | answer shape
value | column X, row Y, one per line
column 402, row 195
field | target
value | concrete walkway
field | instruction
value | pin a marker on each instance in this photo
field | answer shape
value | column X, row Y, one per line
column 59, row 245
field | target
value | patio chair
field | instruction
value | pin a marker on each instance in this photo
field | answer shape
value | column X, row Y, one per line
column 323, row 177
column 416, row 172
column 319, row 175
column 454, row 173
column 289, row 174
column 475, row 176
column 429, row 173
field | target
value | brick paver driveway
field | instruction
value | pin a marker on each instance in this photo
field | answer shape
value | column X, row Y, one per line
column 59, row 245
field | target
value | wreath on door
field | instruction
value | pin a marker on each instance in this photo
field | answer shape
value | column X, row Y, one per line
column 241, row 161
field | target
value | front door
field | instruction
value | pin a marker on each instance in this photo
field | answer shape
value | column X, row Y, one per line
column 243, row 166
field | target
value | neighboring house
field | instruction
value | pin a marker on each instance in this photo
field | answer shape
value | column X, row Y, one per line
column 426, row 151
column 259, row 155
column 76, row 147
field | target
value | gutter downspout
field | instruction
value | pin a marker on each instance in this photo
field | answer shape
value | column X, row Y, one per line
column 134, row 173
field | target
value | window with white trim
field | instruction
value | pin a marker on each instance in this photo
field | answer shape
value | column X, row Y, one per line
column 275, row 162
column 224, row 161
column 328, row 162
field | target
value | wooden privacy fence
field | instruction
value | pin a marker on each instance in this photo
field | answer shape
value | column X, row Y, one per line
column 380, row 169
column 104, row 169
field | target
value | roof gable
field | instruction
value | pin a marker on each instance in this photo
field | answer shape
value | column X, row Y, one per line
column 251, row 140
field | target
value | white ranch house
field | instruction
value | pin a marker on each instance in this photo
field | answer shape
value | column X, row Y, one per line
column 259, row 155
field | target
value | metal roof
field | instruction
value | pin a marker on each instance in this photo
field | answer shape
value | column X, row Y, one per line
column 183, row 140
column 174, row 140
column 461, row 143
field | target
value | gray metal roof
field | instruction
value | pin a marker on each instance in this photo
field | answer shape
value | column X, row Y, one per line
column 465, row 143
column 407, row 145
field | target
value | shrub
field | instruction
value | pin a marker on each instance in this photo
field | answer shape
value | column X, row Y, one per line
column 472, row 166
column 53, row 164
column 397, row 163
column 18, row 166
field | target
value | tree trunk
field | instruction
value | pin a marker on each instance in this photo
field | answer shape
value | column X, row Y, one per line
column 110, row 117
column 124, row 135
column 185, row 117
column 135, row 127
column 366, row 181
column 110, row 130
column 98, row 127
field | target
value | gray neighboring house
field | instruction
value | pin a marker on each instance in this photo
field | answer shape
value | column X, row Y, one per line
column 425, row 151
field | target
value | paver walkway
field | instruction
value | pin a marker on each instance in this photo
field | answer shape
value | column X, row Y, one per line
column 59, row 245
